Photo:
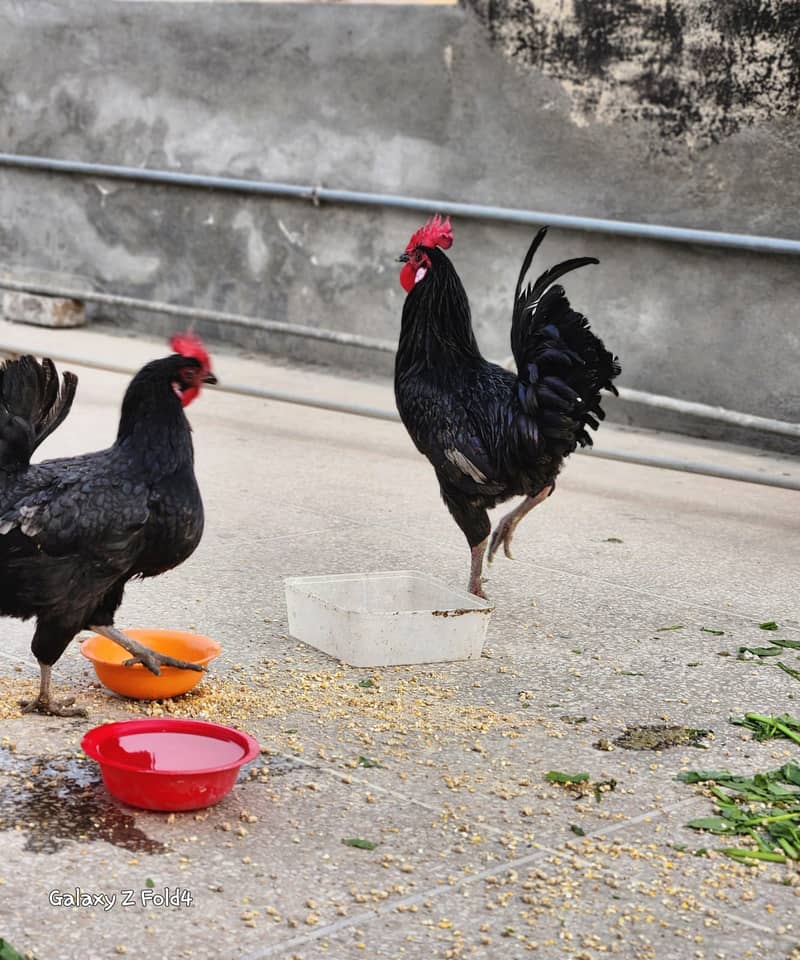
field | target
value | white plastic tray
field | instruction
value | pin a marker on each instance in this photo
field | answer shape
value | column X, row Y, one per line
column 387, row 617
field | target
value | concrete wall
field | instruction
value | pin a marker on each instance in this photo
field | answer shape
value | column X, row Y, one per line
column 442, row 102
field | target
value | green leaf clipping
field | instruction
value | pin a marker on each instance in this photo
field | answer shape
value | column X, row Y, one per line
column 359, row 843
column 7, row 952
column 712, row 825
column 789, row 670
column 555, row 776
column 366, row 762
column 764, row 809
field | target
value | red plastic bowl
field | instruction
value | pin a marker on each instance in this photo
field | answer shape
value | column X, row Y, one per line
column 169, row 764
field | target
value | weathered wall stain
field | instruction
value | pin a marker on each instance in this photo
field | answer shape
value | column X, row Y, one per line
column 696, row 70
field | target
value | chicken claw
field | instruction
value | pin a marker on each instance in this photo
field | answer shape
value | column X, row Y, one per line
column 43, row 704
column 52, row 708
column 146, row 656
column 154, row 661
column 504, row 532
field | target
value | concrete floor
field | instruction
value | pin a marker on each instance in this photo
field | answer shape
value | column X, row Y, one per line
column 476, row 854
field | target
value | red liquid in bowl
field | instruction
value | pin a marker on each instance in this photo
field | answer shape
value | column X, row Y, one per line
column 175, row 752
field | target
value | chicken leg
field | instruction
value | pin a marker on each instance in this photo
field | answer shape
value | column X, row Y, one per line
column 504, row 533
column 148, row 657
column 43, row 702
column 476, row 567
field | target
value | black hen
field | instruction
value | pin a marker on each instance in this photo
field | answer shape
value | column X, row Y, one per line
column 489, row 433
column 73, row 531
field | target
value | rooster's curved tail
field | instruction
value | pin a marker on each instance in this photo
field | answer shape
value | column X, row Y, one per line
column 33, row 402
column 562, row 365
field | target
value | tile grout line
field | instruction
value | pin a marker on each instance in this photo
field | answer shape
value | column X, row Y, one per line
column 414, row 801
column 508, row 866
column 561, row 572
column 297, row 534
column 503, row 867
column 604, row 831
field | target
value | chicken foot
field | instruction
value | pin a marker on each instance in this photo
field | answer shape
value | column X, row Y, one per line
column 504, row 532
column 148, row 657
column 43, row 702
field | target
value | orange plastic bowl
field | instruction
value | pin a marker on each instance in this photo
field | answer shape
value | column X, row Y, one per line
column 137, row 681
column 169, row 764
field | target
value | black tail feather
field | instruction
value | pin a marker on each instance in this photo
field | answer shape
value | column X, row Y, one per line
column 60, row 400
column 528, row 260
column 562, row 365
column 33, row 402
column 554, row 273
column 549, row 276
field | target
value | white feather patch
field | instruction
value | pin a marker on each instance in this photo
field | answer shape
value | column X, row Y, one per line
column 457, row 458
column 30, row 525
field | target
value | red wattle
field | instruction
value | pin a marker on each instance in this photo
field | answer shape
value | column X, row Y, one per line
column 407, row 277
column 189, row 394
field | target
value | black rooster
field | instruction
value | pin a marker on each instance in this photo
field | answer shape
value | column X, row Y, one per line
column 489, row 433
column 73, row 531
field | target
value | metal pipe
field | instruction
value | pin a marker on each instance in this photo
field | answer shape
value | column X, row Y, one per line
column 376, row 413
column 358, row 410
column 690, row 408
column 644, row 231
column 747, row 420
column 695, row 466
column 198, row 313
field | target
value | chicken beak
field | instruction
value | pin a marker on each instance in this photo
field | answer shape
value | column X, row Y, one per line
column 403, row 258
column 210, row 378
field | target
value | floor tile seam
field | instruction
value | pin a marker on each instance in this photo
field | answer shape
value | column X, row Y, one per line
column 626, row 588
column 541, row 851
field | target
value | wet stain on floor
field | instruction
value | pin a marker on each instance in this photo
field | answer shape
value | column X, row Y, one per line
column 55, row 800
column 660, row 736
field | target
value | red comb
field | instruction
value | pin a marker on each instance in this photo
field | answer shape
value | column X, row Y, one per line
column 435, row 233
column 189, row 344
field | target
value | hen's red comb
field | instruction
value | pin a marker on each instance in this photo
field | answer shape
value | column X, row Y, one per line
column 189, row 344
column 435, row 233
